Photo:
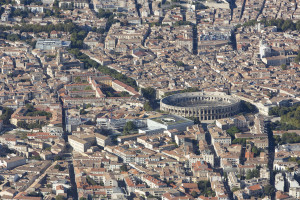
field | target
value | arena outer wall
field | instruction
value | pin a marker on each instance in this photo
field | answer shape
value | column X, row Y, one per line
column 222, row 105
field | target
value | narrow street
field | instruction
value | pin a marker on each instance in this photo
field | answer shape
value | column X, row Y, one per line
column 271, row 156
column 73, row 182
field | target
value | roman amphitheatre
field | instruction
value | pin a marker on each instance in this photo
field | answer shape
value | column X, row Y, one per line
column 205, row 105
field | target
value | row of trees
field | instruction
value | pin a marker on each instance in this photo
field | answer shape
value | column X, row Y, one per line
column 109, row 92
column 92, row 182
column 28, row 2
column 16, row 37
column 40, row 113
column 31, row 111
column 281, row 24
column 6, row 2
column 28, row 126
column 77, row 33
column 190, row 89
column 67, row 26
column 89, row 63
column 20, row 12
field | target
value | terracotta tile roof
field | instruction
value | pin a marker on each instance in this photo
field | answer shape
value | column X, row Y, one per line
column 255, row 187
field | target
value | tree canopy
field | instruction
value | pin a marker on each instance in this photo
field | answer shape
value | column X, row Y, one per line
column 281, row 24
column 290, row 117
column 232, row 131
column 60, row 197
column 149, row 93
column 124, row 168
column 6, row 115
column 252, row 174
column 129, row 127
column 205, row 188
column 269, row 190
column 90, row 181
column 247, row 107
column 287, row 138
column 89, row 63
column 147, row 106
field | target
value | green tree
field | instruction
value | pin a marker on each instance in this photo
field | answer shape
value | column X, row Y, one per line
column 36, row 157
column 252, row 174
column 283, row 67
column 88, row 88
column 232, row 131
column 288, row 24
column 241, row 141
column 277, row 140
column 290, row 138
column 129, row 126
column 83, row 112
column 58, row 158
column 60, row 168
column 149, row 93
column 179, row 63
column 6, row 115
column 104, row 14
column 89, row 63
column 29, row 107
column 90, row 181
column 256, row 151
column 235, row 189
column 123, row 168
column 147, row 106
column 199, row 5
column 269, row 190
column 205, row 188
column 60, row 197
column 124, row 94
column 203, row 185
column 194, row 194
column 297, row 59
column 22, row 124
column 77, row 80
column 247, row 107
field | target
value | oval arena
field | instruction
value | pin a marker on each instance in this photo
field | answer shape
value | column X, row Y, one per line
column 205, row 105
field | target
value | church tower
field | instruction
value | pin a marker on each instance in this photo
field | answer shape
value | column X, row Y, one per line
column 59, row 57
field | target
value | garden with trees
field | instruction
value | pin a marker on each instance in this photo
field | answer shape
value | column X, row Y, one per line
column 290, row 117
column 129, row 128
